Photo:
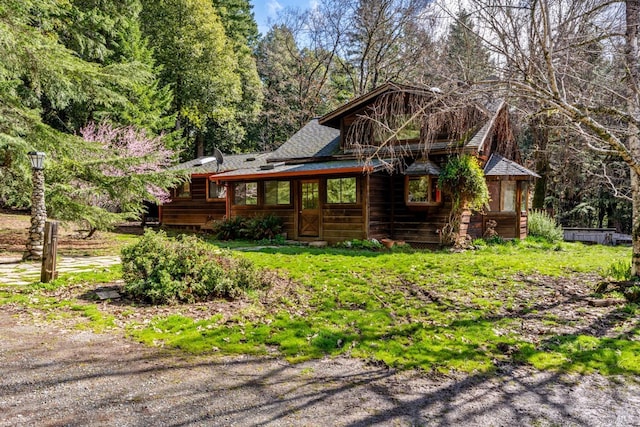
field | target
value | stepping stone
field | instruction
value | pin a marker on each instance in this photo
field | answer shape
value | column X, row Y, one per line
column 107, row 294
column 318, row 244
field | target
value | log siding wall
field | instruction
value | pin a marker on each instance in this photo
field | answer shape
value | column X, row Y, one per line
column 193, row 211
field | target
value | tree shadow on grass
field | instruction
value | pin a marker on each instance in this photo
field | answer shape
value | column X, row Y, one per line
column 79, row 378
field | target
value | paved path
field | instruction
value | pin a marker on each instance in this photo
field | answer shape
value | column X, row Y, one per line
column 14, row 272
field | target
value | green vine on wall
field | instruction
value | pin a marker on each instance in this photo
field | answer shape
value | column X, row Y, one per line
column 462, row 179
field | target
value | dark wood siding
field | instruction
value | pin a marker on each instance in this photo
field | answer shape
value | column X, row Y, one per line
column 380, row 208
column 341, row 222
column 391, row 217
column 524, row 225
column 194, row 211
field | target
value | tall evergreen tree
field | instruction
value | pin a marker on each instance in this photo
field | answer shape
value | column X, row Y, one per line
column 197, row 61
column 43, row 84
column 465, row 56
column 238, row 20
column 242, row 31
column 277, row 64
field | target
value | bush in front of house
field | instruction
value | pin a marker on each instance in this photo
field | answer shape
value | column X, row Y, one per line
column 542, row 225
column 163, row 270
column 229, row 228
column 263, row 227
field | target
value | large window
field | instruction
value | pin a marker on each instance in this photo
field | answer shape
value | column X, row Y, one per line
column 422, row 190
column 277, row 193
column 524, row 197
column 406, row 129
column 216, row 191
column 245, row 193
column 341, row 190
column 183, row 191
column 508, row 193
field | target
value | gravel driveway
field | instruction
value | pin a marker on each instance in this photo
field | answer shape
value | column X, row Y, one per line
column 55, row 377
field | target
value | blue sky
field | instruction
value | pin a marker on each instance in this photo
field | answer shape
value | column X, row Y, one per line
column 268, row 9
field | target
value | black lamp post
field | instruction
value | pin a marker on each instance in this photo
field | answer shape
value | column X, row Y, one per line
column 38, row 210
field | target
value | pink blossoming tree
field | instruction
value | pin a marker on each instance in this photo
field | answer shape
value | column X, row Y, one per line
column 121, row 169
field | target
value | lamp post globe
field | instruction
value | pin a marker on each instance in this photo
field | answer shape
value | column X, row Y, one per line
column 35, row 241
column 37, row 159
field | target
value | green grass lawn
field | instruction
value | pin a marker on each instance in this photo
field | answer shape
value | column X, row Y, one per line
column 437, row 311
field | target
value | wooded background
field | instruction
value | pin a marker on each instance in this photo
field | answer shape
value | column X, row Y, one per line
column 111, row 87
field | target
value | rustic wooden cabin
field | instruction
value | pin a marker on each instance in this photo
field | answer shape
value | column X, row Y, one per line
column 200, row 201
column 366, row 171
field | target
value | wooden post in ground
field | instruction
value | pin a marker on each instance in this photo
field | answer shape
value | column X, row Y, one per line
column 49, row 252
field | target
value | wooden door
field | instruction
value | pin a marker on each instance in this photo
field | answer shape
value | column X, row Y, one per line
column 309, row 214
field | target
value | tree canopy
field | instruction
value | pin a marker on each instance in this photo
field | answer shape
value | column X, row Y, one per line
column 65, row 65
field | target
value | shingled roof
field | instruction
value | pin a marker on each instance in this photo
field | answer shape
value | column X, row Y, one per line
column 423, row 167
column 313, row 140
column 230, row 162
column 317, row 168
column 499, row 166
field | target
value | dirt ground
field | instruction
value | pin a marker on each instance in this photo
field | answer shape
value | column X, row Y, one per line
column 53, row 377
column 14, row 229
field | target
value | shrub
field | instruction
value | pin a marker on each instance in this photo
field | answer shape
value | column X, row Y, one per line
column 372, row 244
column 255, row 228
column 542, row 225
column 262, row 227
column 463, row 180
column 162, row 270
column 229, row 228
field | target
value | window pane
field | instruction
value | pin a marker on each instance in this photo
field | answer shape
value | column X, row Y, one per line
column 407, row 130
column 184, row 190
column 217, row 191
column 252, row 193
column 310, row 195
column 240, row 193
column 524, row 198
column 341, row 190
column 271, row 193
column 348, row 190
column 508, row 196
column 333, row 191
column 284, row 193
column 277, row 193
column 245, row 193
column 418, row 189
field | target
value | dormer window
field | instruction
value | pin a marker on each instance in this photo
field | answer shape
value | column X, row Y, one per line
column 403, row 128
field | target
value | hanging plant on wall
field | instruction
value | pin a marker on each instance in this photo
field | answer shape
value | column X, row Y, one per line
column 462, row 179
